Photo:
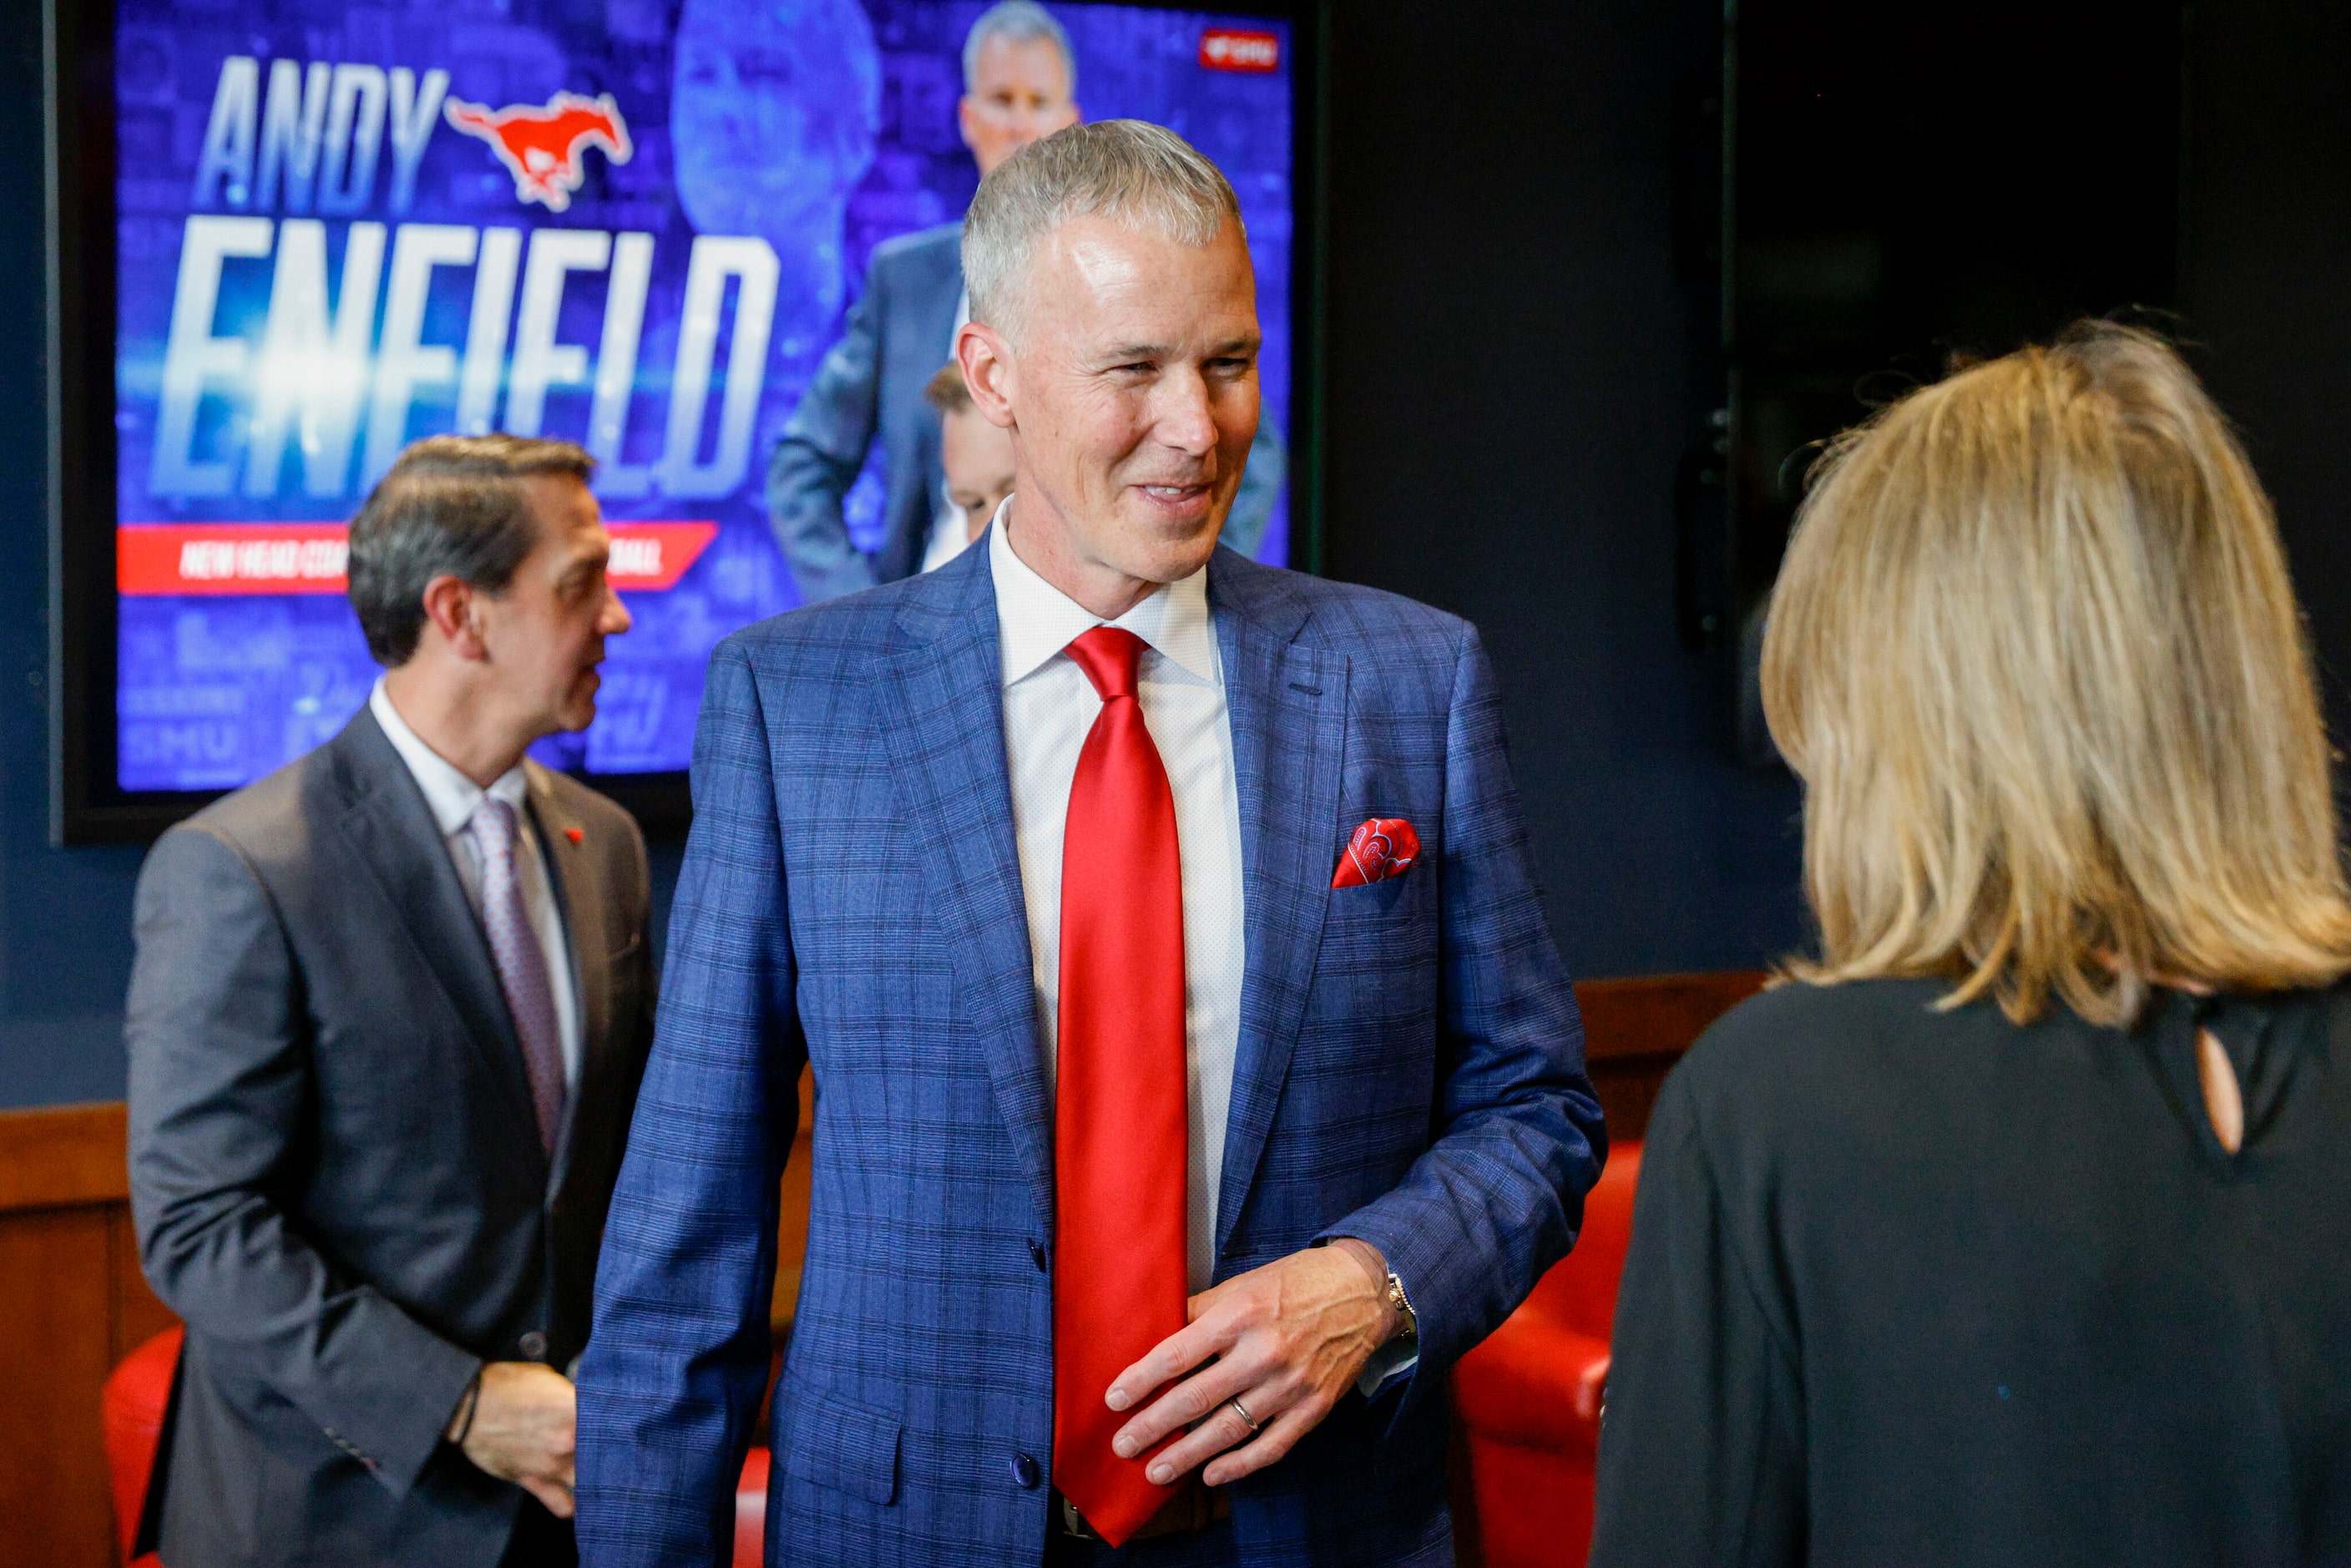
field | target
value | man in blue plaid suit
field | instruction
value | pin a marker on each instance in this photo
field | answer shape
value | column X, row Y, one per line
column 1390, row 1132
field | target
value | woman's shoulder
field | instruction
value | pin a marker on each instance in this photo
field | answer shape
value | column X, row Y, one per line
column 1798, row 1020
column 1803, row 1061
column 1794, row 1056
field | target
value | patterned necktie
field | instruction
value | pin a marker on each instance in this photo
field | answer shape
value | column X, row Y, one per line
column 1118, row 1110
column 522, row 964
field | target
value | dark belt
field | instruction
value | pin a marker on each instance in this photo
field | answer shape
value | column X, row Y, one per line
column 1195, row 1505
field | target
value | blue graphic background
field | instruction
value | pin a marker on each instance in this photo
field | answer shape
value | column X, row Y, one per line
column 819, row 125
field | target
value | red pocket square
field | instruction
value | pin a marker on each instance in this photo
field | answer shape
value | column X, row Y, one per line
column 1380, row 848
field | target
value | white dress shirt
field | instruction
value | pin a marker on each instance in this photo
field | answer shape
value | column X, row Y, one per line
column 454, row 798
column 1049, row 707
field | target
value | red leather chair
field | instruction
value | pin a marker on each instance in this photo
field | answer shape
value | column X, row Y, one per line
column 131, row 1410
column 1527, row 1402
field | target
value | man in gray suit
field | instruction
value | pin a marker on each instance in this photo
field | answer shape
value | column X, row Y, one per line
column 389, row 1011
column 1019, row 78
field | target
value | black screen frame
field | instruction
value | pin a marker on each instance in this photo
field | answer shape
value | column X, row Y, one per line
column 87, row 805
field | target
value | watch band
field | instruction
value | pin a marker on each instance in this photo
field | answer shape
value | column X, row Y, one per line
column 1403, row 1304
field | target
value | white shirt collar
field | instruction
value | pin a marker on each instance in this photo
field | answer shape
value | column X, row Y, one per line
column 1037, row 620
column 453, row 797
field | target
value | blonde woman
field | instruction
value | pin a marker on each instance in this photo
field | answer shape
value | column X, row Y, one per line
column 2016, row 1227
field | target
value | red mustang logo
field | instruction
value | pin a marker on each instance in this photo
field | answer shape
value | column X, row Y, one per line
column 542, row 148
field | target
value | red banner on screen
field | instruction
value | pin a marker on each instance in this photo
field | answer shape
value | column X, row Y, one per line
column 309, row 557
column 648, row 557
column 1236, row 49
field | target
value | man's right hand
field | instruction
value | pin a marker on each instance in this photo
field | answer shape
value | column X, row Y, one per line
column 525, row 1424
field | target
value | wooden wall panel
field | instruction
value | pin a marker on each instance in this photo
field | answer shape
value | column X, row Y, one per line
column 1636, row 1029
column 55, row 1351
column 71, row 1154
column 72, row 1303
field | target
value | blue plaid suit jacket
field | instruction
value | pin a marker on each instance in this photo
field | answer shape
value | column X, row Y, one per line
column 1411, row 1071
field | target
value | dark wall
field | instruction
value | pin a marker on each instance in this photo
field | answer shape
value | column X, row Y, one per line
column 2267, row 272
column 1509, row 400
column 64, row 914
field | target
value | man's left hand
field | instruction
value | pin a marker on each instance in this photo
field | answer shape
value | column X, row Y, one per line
column 1286, row 1340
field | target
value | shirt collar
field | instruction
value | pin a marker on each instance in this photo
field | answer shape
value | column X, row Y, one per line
column 1038, row 621
column 453, row 797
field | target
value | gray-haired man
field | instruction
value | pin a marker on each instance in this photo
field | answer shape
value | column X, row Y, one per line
column 386, row 1025
column 1019, row 84
column 1196, row 1077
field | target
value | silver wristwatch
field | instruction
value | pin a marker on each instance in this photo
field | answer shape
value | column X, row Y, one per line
column 1403, row 1304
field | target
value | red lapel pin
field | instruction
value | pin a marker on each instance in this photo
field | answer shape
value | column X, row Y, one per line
column 572, row 833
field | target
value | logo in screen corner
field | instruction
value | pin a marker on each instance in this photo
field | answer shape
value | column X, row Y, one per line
column 545, row 148
column 1233, row 49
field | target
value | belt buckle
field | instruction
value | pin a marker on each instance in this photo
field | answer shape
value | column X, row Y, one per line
column 1073, row 1523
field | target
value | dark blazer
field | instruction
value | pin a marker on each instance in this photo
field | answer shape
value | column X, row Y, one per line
column 1921, row 1287
column 1410, row 1071
column 335, row 1170
column 899, row 333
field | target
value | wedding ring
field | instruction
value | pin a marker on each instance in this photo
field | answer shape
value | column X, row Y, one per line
column 1241, row 1410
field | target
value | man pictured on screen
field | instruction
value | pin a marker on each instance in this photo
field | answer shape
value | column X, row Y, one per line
column 774, row 106
column 1020, row 81
column 976, row 460
column 1196, row 1077
column 386, row 1025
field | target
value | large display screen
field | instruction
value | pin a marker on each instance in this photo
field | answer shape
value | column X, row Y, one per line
column 633, row 224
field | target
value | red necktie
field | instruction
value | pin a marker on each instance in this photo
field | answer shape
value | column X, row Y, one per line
column 1119, row 1110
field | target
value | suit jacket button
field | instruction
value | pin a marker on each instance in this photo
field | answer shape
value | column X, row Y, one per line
column 1037, row 1253
column 1025, row 1471
column 533, row 1344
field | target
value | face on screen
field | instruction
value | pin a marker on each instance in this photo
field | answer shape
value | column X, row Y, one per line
column 1020, row 92
column 546, row 632
column 1133, row 395
column 774, row 106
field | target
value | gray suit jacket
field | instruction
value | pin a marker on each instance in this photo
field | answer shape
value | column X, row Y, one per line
column 900, row 331
column 335, row 1170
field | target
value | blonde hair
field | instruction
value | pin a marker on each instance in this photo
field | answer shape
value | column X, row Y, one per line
column 2034, row 654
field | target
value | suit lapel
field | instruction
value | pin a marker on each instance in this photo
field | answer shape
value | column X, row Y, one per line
column 391, row 829
column 1287, row 702
column 943, row 706
column 586, row 906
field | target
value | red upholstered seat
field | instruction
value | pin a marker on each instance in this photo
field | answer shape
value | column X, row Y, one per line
column 1528, row 1400
column 751, row 1510
column 131, row 1409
